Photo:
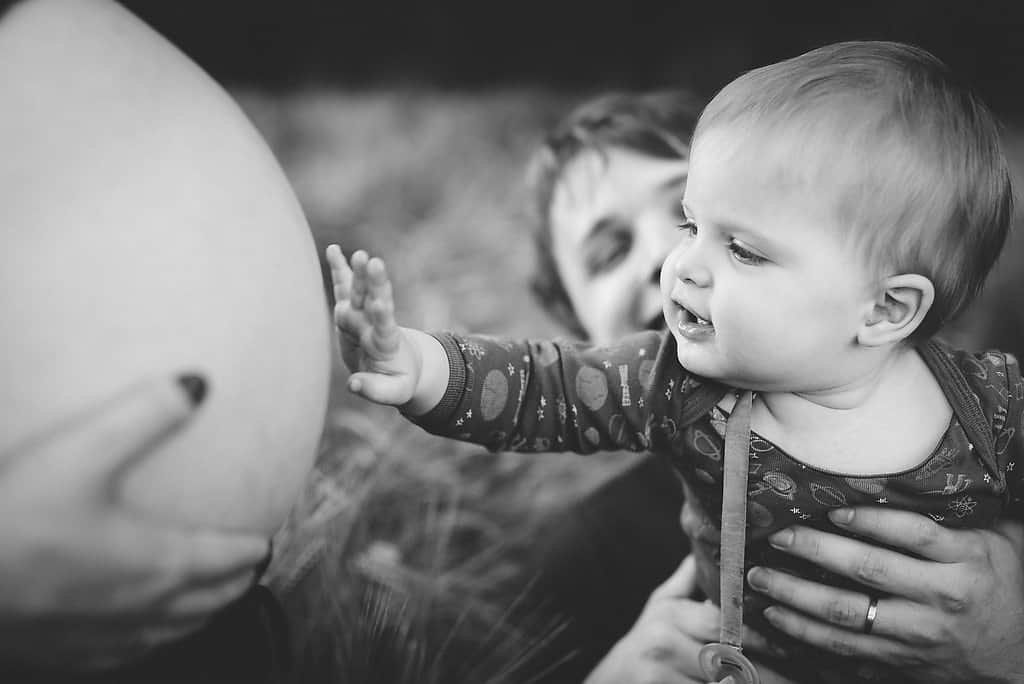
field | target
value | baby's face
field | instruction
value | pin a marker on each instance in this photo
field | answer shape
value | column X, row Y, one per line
column 613, row 221
column 761, row 290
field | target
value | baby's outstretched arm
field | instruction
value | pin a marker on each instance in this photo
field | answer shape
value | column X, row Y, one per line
column 390, row 365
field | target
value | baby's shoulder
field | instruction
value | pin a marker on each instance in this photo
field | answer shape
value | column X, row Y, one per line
column 992, row 375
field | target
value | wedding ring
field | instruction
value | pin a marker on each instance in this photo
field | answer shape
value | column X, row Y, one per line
column 869, row 619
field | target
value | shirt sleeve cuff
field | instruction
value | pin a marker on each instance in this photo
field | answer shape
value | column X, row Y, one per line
column 442, row 414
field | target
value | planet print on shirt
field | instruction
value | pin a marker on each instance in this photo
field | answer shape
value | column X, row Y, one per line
column 493, row 395
column 591, row 387
column 867, row 485
column 703, row 443
column 827, row 495
column 780, row 484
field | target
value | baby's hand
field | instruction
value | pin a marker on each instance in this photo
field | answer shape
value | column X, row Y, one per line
column 385, row 366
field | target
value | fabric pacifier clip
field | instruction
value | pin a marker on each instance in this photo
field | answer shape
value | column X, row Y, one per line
column 725, row 658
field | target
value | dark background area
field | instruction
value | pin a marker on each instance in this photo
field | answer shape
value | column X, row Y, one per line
column 474, row 44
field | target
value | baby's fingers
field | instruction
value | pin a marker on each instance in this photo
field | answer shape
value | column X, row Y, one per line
column 357, row 293
column 341, row 274
column 380, row 307
column 393, row 390
column 352, row 325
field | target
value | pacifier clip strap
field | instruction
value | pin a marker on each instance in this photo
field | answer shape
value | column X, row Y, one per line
column 725, row 658
column 734, row 520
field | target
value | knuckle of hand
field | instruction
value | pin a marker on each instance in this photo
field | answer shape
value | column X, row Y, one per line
column 782, row 591
column 911, row 655
column 924, row 534
column 871, row 568
column 660, row 640
column 954, row 598
column 974, row 548
column 840, row 646
column 797, row 629
column 840, row 612
column 926, row 633
column 808, row 542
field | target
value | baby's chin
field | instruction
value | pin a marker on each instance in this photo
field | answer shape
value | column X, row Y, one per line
column 698, row 360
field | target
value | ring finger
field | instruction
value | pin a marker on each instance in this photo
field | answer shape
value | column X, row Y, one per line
column 840, row 607
column 837, row 640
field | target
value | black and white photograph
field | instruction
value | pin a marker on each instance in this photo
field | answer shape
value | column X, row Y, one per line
column 655, row 342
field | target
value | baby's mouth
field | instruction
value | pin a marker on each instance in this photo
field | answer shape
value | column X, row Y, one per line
column 696, row 318
column 691, row 317
column 692, row 326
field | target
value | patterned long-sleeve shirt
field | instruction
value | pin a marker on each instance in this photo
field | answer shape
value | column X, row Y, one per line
column 560, row 396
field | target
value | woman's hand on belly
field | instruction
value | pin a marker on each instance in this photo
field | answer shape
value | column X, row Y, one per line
column 88, row 582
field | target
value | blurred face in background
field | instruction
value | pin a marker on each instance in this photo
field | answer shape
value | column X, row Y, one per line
column 614, row 219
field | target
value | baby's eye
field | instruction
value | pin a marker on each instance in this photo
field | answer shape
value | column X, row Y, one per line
column 744, row 255
column 688, row 226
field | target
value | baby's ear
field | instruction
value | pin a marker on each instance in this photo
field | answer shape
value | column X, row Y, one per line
column 902, row 304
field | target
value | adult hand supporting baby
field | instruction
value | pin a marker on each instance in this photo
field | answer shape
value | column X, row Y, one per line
column 954, row 613
column 85, row 582
column 663, row 645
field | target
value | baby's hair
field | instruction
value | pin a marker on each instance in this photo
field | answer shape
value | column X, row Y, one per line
column 656, row 124
column 923, row 186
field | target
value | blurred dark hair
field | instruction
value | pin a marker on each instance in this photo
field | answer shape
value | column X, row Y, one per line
column 656, row 124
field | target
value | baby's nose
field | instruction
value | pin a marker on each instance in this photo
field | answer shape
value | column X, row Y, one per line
column 690, row 265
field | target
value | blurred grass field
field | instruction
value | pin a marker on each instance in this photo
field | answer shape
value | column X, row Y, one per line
column 438, row 531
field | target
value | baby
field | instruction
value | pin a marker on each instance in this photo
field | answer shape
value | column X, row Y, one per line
column 841, row 207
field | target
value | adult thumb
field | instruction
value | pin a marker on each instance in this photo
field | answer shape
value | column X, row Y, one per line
column 98, row 445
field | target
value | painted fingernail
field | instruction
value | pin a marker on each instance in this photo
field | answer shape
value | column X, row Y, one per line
column 758, row 578
column 782, row 539
column 841, row 516
column 194, row 386
column 771, row 614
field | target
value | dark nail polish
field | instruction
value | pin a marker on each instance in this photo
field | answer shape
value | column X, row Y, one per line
column 194, row 386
